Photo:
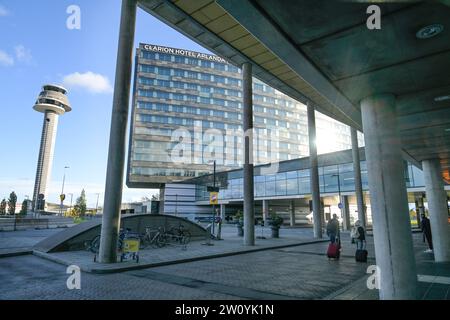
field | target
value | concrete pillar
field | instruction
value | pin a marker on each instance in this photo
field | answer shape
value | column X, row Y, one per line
column 437, row 207
column 314, row 172
column 358, row 182
column 346, row 213
column 222, row 212
column 265, row 211
column 118, row 132
column 249, row 197
column 391, row 224
column 292, row 213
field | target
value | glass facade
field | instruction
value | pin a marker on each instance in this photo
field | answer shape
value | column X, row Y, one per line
column 187, row 112
column 297, row 182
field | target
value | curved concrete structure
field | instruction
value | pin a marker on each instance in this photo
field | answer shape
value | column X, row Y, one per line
column 73, row 239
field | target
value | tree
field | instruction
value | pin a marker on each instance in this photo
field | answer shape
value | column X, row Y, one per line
column 3, row 207
column 12, row 203
column 80, row 205
column 155, row 197
column 24, row 209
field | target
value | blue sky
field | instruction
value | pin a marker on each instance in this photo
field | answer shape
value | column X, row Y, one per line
column 36, row 48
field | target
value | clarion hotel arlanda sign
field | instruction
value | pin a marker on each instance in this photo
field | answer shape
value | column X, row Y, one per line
column 182, row 52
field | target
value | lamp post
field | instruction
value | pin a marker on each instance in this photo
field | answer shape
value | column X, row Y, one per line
column 62, row 196
column 214, row 190
column 71, row 196
column 340, row 205
column 96, row 205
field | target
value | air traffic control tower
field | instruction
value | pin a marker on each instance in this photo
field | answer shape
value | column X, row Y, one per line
column 52, row 102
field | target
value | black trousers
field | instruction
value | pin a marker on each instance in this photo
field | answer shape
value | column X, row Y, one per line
column 429, row 239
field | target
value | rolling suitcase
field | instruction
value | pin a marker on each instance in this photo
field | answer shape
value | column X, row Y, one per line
column 333, row 251
column 361, row 255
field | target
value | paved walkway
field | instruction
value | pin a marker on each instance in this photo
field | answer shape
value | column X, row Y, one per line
column 196, row 250
column 293, row 272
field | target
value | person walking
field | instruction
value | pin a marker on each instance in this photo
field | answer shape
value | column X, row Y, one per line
column 358, row 234
column 426, row 230
column 333, row 229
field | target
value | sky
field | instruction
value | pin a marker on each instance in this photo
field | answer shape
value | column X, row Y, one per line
column 37, row 47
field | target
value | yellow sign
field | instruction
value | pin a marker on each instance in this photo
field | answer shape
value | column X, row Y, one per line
column 131, row 245
column 213, row 198
column 62, row 197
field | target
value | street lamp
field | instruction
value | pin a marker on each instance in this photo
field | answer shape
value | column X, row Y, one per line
column 214, row 190
column 96, row 206
column 340, row 205
column 62, row 196
column 71, row 196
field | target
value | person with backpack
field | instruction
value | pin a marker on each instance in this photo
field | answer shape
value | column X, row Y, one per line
column 333, row 229
column 358, row 235
column 333, row 232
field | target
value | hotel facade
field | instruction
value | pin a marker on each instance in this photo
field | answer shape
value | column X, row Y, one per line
column 187, row 113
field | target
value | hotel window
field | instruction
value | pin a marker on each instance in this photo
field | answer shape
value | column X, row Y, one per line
column 191, row 98
column 177, row 96
column 218, row 113
column 234, row 93
column 219, row 79
column 219, row 66
column 179, row 59
column 165, row 57
column 179, row 73
column 232, row 68
column 205, row 64
column 178, row 109
column 178, row 85
column 219, row 91
column 205, row 100
column 219, row 102
column 145, row 93
column 233, row 104
column 192, row 86
column 258, row 87
column 192, row 61
column 148, row 55
column 258, row 108
column 145, row 81
column 205, row 77
column 234, row 82
column 162, row 95
column 205, row 89
column 191, row 110
column 163, row 71
column 163, row 83
column 257, row 97
column 147, row 68
column 192, row 75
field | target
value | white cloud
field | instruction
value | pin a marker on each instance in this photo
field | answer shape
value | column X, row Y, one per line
column 5, row 59
column 92, row 82
column 3, row 11
column 23, row 54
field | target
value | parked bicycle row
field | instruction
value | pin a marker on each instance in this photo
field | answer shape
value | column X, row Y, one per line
column 152, row 237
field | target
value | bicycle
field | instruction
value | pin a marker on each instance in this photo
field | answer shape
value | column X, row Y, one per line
column 94, row 244
column 180, row 234
column 153, row 237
